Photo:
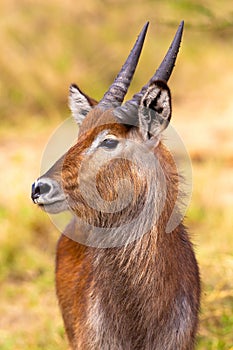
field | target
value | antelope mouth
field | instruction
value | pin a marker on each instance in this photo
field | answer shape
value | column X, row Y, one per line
column 53, row 207
column 49, row 196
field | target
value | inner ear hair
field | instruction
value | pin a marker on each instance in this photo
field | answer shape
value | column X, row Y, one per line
column 155, row 109
column 92, row 101
column 80, row 104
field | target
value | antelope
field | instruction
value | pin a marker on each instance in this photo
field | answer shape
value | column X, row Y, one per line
column 122, row 281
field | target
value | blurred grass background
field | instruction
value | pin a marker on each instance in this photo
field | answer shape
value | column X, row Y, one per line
column 46, row 45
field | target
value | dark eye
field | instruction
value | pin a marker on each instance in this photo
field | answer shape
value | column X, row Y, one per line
column 109, row 143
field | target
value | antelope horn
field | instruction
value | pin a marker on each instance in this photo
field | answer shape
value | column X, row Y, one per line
column 117, row 91
column 128, row 110
column 166, row 67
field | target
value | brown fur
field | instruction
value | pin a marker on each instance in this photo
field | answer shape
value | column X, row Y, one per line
column 141, row 296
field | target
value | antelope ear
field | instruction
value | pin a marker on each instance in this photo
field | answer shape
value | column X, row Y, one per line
column 155, row 110
column 80, row 104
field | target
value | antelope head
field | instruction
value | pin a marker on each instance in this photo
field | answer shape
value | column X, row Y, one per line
column 118, row 159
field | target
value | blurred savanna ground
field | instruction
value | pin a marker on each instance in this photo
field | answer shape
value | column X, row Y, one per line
column 45, row 46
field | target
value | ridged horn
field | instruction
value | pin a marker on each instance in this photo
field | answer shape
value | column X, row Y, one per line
column 166, row 67
column 117, row 91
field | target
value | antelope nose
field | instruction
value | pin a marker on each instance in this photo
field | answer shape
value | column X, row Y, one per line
column 39, row 188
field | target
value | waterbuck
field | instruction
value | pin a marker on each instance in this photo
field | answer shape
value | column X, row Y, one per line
column 123, row 281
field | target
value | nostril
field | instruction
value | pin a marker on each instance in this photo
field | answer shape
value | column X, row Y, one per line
column 42, row 188
column 39, row 189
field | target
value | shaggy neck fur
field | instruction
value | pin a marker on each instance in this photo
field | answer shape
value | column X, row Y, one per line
column 140, row 296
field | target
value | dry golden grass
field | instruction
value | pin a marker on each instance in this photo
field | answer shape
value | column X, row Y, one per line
column 45, row 46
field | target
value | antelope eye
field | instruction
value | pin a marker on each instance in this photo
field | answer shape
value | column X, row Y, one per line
column 109, row 143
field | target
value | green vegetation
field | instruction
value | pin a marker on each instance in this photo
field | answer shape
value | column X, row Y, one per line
column 45, row 46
